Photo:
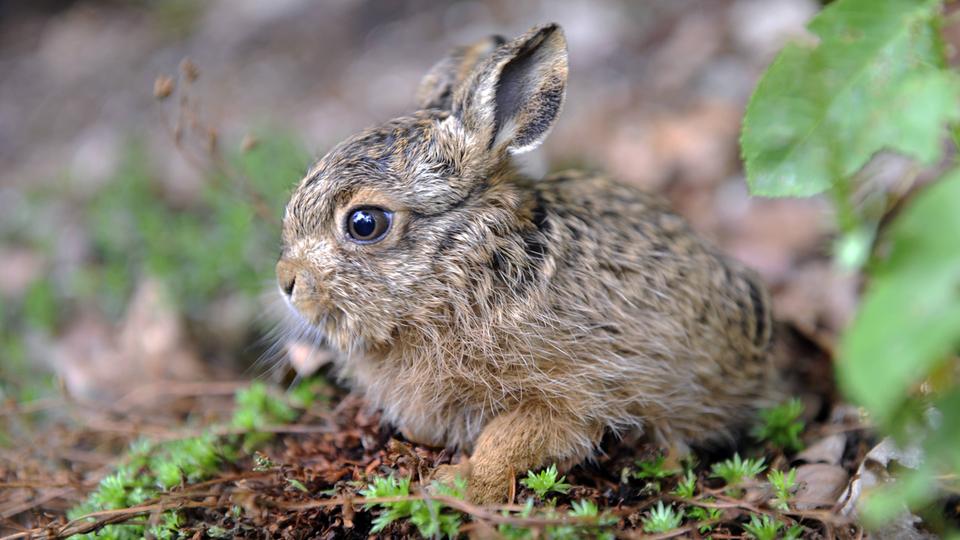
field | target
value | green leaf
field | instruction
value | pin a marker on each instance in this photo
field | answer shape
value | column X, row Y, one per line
column 662, row 519
column 781, row 425
column 909, row 320
column 873, row 81
column 546, row 481
column 297, row 484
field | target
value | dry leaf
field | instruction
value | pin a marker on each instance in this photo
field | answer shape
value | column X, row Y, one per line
column 820, row 485
column 828, row 450
column 163, row 86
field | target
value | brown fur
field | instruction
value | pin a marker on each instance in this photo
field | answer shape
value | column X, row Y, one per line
column 515, row 318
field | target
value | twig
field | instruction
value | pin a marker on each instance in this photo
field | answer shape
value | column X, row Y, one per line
column 228, row 478
column 164, row 434
column 486, row 513
column 39, row 484
column 150, row 392
column 662, row 536
column 33, row 503
column 222, row 171
column 105, row 517
column 181, row 500
column 32, row 407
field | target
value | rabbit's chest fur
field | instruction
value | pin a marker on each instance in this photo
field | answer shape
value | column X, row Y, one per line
column 601, row 305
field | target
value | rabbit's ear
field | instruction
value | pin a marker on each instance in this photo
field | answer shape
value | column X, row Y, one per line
column 439, row 84
column 514, row 97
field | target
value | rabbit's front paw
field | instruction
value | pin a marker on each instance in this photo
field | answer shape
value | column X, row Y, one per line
column 483, row 486
column 490, row 486
column 446, row 475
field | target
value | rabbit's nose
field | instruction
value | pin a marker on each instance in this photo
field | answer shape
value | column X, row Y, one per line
column 286, row 277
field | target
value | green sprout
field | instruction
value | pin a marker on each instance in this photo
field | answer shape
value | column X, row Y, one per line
column 294, row 483
column 766, row 528
column 654, row 469
column 513, row 532
column 706, row 517
column 150, row 468
column 427, row 515
column 584, row 509
column 545, row 482
column 735, row 471
column 687, row 487
column 783, row 486
column 662, row 519
column 781, row 426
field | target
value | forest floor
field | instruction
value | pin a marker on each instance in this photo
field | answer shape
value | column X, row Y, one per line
column 306, row 477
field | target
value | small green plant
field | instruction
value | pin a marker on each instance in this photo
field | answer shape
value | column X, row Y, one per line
column 584, row 509
column 513, row 532
column 783, row 486
column 309, row 391
column 428, row 516
column 766, row 528
column 262, row 462
column 168, row 528
column 781, row 426
column 150, row 468
column 257, row 408
column 188, row 460
column 432, row 522
column 296, row 484
column 579, row 509
column 735, row 471
column 654, row 469
column 218, row 532
column 388, row 486
column 687, row 487
column 545, row 482
column 706, row 517
column 662, row 519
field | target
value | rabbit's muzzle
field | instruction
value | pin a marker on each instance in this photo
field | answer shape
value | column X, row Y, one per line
column 301, row 290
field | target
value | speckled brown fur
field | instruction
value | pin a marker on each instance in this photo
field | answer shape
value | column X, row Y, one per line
column 519, row 319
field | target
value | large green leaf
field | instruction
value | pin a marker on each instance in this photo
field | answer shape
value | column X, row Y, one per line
column 909, row 321
column 873, row 81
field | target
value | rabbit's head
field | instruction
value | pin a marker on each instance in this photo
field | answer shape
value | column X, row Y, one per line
column 377, row 219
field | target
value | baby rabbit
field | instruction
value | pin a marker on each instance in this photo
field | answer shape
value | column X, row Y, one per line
column 518, row 319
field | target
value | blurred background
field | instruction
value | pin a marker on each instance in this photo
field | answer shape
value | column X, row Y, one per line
column 138, row 235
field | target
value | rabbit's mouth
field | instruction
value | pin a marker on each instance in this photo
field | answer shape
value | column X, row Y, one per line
column 327, row 320
column 317, row 314
column 327, row 323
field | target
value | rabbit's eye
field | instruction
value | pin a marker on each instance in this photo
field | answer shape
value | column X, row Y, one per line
column 368, row 225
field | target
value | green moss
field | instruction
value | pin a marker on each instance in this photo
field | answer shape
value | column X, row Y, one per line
column 149, row 469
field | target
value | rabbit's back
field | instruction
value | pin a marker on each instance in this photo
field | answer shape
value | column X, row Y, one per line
column 673, row 331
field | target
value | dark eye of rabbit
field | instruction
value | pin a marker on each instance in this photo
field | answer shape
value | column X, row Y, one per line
column 368, row 225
